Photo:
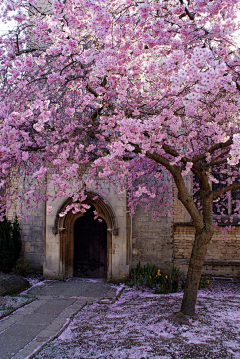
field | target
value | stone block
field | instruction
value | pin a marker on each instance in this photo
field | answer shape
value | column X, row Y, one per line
column 13, row 284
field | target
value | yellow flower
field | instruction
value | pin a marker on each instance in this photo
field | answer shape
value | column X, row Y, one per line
column 158, row 272
column 207, row 281
column 150, row 277
column 166, row 276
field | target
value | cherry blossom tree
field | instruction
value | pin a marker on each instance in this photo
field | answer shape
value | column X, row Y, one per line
column 132, row 91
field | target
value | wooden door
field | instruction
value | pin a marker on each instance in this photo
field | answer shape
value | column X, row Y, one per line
column 90, row 246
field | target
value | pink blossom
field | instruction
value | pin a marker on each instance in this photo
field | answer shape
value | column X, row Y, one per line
column 138, row 94
column 29, row 61
column 25, row 156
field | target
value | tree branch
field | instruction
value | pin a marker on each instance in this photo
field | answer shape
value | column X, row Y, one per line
column 212, row 149
column 191, row 15
column 220, row 145
column 91, row 90
column 218, row 160
column 223, row 190
column 183, row 194
column 170, row 150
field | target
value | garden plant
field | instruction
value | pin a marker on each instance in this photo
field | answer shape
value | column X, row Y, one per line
column 10, row 244
column 150, row 277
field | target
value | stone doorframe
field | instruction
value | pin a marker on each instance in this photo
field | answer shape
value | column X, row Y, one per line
column 64, row 226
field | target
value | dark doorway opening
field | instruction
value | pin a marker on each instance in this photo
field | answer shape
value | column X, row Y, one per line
column 90, row 246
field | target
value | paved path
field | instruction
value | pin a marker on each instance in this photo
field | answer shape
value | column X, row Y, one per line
column 29, row 328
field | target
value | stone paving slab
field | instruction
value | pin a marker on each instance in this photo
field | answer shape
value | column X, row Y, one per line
column 37, row 319
column 74, row 287
column 28, row 329
column 47, row 334
column 51, row 308
column 16, row 337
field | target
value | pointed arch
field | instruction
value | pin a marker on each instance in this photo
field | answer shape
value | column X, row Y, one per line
column 64, row 227
column 103, row 208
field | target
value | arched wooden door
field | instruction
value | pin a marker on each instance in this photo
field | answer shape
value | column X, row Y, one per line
column 90, row 246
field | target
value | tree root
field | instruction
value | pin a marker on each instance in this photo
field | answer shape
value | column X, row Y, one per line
column 182, row 319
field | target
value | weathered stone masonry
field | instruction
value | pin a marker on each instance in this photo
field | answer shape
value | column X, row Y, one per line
column 163, row 242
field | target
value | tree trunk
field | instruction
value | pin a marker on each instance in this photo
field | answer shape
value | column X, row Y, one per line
column 194, row 271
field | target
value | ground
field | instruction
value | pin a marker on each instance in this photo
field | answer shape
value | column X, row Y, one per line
column 9, row 303
column 139, row 325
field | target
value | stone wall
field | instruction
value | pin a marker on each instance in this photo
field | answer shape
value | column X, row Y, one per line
column 32, row 227
column 140, row 239
column 152, row 241
column 223, row 255
column 33, row 237
column 180, row 214
column 59, row 244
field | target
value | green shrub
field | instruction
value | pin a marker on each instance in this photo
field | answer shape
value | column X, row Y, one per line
column 204, row 282
column 22, row 267
column 151, row 277
column 10, row 244
column 169, row 283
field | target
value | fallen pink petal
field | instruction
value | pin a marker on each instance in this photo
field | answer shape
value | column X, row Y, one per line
column 139, row 325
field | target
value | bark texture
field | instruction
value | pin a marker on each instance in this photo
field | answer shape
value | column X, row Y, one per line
column 202, row 218
column 194, row 271
column 203, row 223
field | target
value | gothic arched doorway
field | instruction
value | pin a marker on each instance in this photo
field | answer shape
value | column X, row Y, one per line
column 66, row 226
column 90, row 246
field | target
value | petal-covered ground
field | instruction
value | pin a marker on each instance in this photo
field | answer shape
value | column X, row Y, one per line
column 10, row 303
column 138, row 325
